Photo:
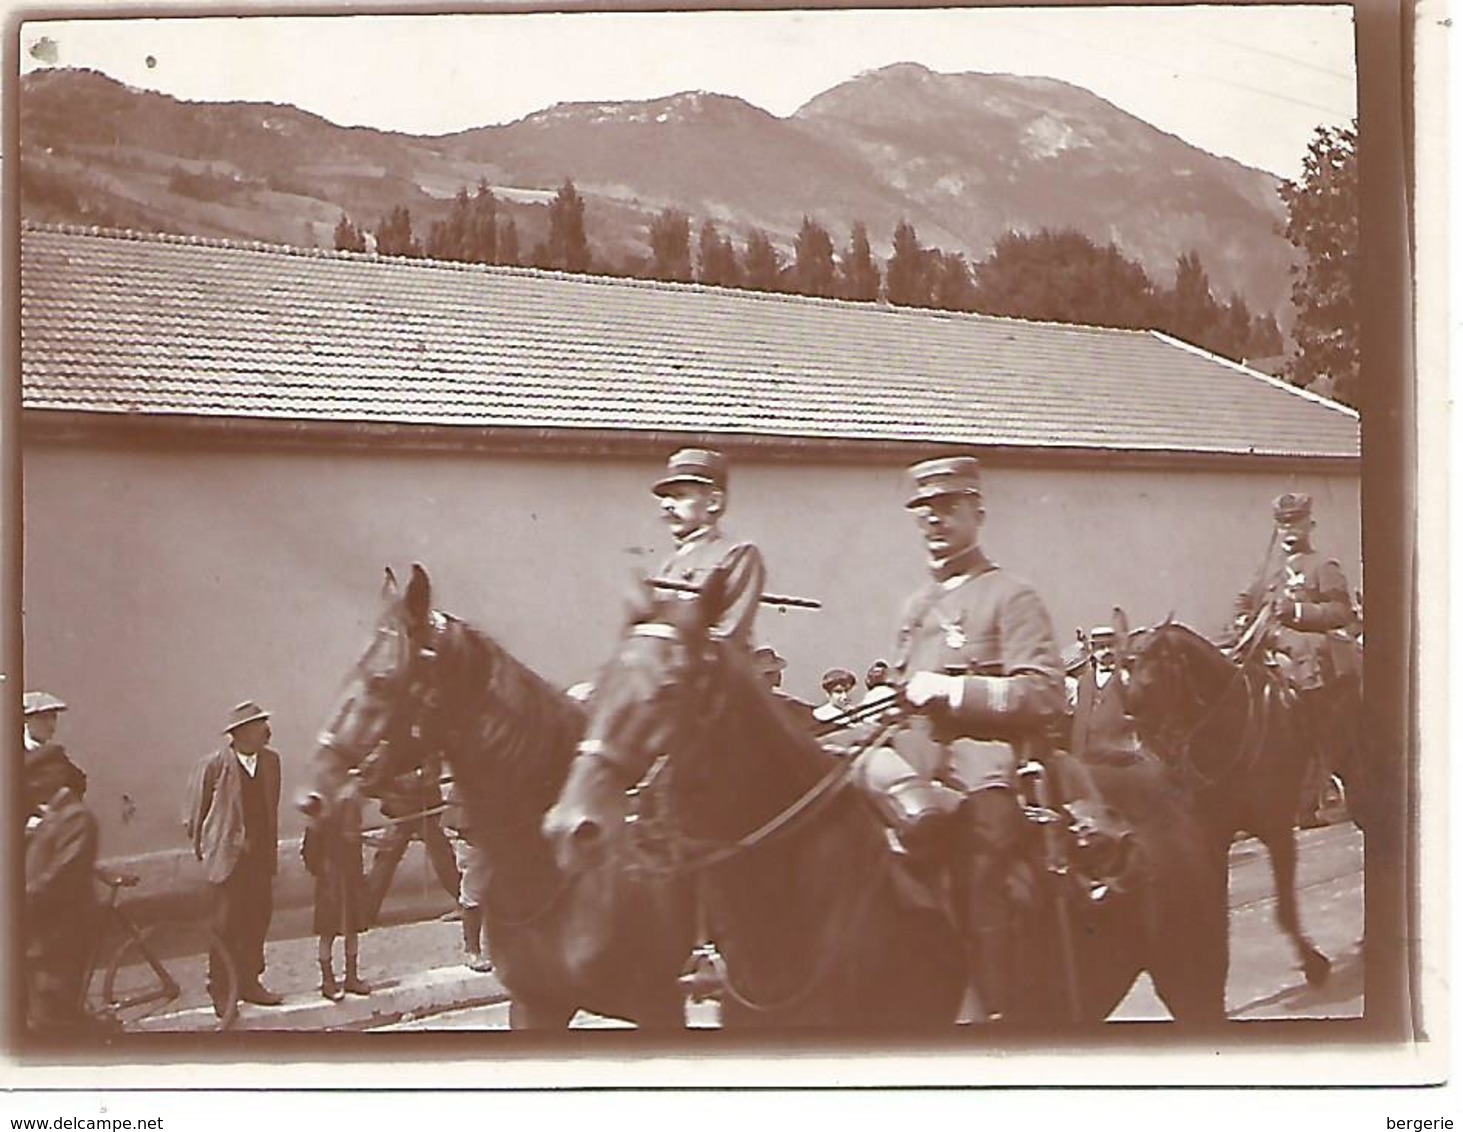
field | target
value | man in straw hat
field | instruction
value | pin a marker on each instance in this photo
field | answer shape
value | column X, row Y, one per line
column 233, row 821
column 980, row 668
column 1308, row 602
column 1101, row 726
column 693, row 498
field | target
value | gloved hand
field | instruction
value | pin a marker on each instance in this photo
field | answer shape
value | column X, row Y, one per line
column 924, row 688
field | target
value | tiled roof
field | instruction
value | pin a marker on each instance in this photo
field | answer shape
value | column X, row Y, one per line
column 126, row 323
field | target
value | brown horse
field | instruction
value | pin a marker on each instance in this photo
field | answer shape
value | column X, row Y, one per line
column 818, row 922
column 1224, row 729
column 609, row 941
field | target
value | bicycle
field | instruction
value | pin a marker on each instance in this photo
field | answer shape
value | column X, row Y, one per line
column 136, row 984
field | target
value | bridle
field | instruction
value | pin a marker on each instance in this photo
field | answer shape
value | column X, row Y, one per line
column 1180, row 740
column 688, row 730
column 410, row 686
column 696, row 856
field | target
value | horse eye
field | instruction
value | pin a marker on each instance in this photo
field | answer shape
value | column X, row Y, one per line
column 379, row 681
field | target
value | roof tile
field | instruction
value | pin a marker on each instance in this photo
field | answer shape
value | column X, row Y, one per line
column 117, row 322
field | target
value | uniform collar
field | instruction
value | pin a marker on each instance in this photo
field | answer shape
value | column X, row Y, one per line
column 707, row 533
column 958, row 567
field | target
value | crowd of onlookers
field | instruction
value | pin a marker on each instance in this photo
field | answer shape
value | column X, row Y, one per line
column 231, row 820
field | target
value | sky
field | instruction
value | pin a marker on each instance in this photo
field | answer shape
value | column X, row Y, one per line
column 1244, row 82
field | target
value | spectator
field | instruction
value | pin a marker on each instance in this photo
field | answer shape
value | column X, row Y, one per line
column 331, row 850
column 233, row 821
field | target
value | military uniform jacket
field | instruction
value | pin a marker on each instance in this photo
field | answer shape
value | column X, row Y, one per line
column 990, row 627
column 1314, row 610
column 698, row 557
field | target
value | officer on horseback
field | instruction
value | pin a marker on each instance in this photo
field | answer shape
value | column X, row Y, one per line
column 1306, row 603
column 693, row 496
column 979, row 666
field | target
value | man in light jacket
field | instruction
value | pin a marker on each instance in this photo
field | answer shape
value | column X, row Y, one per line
column 233, row 821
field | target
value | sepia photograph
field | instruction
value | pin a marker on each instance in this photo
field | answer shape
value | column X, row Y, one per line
column 733, row 547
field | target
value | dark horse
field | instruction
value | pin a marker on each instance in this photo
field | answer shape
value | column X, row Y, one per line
column 1224, row 729
column 608, row 941
column 819, row 923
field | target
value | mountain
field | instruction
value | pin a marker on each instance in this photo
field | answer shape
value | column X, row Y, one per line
column 963, row 157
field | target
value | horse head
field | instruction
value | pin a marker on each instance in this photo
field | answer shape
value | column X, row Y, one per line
column 379, row 727
column 672, row 691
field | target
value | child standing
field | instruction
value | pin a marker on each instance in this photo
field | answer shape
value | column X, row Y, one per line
column 332, row 853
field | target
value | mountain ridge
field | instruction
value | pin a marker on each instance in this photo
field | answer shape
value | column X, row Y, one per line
column 964, row 157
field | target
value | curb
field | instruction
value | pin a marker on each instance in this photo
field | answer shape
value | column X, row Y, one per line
column 395, row 1000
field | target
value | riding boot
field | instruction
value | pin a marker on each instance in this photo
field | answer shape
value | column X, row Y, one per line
column 992, row 819
column 353, row 983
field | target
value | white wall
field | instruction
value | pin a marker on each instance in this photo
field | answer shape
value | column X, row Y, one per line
column 161, row 587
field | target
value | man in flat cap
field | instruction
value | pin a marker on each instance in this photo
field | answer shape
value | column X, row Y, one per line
column 979, row 665
column 60, row 899
column 693, row 496
column 232, row 818
column 1308, row 601
column 42, row 713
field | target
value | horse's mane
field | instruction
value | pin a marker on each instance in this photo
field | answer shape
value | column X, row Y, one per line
column 507, row 717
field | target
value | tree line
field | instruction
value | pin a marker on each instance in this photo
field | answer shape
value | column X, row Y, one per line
column 1057, row 276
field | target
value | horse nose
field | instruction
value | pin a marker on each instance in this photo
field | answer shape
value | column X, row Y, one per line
column 576, row 838
column 310, row 804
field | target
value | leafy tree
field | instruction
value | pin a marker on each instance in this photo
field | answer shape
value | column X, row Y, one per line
column 1063, row 276
column 670, row 245
column 1265, row 338
column 1322, row 219
column 908, row 282
column 394, row 235
column 716, row 258
column 858, row 273
column 763, row 266
column 812, row 267
column 348, row 238
column 568, row 246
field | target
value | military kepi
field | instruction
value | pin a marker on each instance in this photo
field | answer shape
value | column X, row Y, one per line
column 952, row 475
column 693, row 465
column 1292, row 506
column 246, row 712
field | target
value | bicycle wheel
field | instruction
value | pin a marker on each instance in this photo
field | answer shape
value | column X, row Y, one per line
column 159, row 980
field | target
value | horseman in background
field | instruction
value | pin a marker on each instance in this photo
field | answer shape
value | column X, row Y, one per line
column 980, row 668
column 1300, row 605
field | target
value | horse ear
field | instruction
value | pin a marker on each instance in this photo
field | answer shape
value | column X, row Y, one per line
column 388, row 586
column 418, row 600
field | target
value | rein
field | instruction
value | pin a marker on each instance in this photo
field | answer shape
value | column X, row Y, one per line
column 855, row 918
column 1252, row 739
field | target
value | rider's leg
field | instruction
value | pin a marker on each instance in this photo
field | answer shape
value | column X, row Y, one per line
column 991, row 822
